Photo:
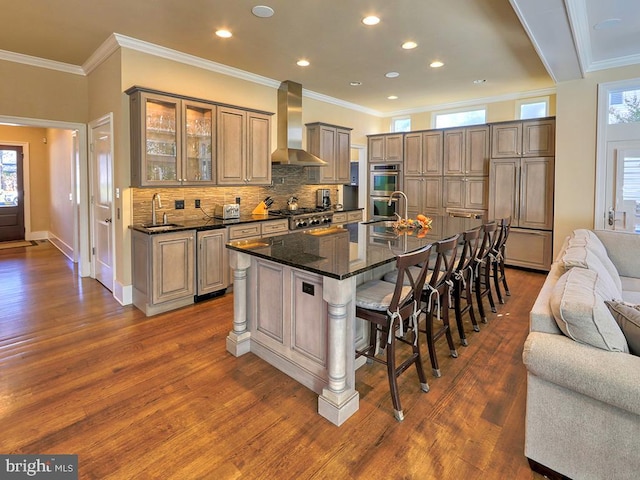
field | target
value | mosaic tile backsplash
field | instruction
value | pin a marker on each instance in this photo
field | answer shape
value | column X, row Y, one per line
column 287, row 181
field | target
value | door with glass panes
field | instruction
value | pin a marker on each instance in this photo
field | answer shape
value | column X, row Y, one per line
column 11, row 194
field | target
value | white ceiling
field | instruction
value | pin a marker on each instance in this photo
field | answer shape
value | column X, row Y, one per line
column 516, row 46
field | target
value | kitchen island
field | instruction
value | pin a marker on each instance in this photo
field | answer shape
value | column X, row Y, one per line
column 294, row 300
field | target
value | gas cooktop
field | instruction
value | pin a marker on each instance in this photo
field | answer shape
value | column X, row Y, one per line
column 305, row 217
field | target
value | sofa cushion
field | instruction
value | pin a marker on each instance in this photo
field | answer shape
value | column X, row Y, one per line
column 628, row 318
column 577, row 304
column 588, row 239
column 582, row 257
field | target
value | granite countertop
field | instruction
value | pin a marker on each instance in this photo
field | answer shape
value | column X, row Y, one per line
column 346, row 250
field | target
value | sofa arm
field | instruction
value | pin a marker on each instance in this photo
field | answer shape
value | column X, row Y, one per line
column 610, row 377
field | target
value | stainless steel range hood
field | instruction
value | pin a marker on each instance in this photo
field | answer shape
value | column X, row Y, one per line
column 289, row 151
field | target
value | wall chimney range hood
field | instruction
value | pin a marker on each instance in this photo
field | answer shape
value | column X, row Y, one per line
column 289, row 151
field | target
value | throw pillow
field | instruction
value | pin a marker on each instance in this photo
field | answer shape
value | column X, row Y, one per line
column 588, row 239
column 577, row 303
column 628, row 318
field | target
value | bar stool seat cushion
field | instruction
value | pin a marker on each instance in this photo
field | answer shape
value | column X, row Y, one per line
column 377, row 295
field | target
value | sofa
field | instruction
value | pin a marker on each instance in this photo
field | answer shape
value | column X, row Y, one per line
column 581, row 355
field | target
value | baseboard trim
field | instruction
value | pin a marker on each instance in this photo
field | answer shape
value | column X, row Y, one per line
column 546, row 471
column 40, row 235
column 123, row 293
column 66, row 250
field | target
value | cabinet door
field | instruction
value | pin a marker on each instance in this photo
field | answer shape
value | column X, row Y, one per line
column 173, row 266
column 155, row 141
column 394, row 147
column 231, row 152
column 213, row 263
column 327, row 152
column 476, row 192
column 432, row 197
column 414, row 188
column 376, row 149
column 198, row 146
column 432, row 153
column 477, row 151
column 504, row 189
column 506, row 140
column 343, row 156
column 538, row 138
column 536, row 193
column 454, row 152
column 258, row 170
column 453, row 192
column 413, row 154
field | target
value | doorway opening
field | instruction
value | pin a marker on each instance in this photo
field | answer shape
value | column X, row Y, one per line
column 11, row 193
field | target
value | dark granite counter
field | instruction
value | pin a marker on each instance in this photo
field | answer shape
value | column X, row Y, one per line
column 346, row 250
column 206, row 224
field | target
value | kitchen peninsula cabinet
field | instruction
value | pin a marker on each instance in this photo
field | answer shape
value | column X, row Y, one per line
column 163, row 270
column 244, row 147
column 388, row 147
column 332, row 144
column 172, row 140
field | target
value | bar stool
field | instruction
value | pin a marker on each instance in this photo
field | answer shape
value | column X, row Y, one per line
column 463, row 277
column 497, row 261
column 436, row 297
column 482, row 267
column 393, row 309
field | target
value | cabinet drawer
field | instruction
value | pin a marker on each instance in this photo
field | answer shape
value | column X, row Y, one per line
column 354, row 216
column 274, row 227
column 529, row 248
column 339, row 217
column 243, row 231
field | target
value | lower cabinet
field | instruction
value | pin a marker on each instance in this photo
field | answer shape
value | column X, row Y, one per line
column 424, row 195
column 529, row 248
column 212, row 254
column 163, row 270
column 347, row 217
column 465, row 192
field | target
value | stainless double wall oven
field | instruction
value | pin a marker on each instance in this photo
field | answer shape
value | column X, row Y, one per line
column 385, row 178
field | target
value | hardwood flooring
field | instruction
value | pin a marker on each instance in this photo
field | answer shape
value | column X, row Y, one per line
column 159, row 397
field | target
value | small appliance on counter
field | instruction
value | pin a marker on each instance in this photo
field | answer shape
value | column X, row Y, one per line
column 263, row 207
column 227, row 211
column 323, row 198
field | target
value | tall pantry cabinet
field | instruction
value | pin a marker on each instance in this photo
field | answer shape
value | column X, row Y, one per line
column 521, row 182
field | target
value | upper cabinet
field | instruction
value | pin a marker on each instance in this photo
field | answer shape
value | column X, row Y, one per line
column 244, row 153
column 386, row 148
column 466, row 151
column 527, row 138
column 177, row 141
column 423, row 154
column 332, row 144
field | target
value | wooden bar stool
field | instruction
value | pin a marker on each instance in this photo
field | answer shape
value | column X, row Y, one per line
column 393, row 310
column 463, row 277
column 497, row 260
column 436, row 297
column 482, row 267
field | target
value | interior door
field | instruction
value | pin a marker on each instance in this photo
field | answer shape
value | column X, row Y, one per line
column 623, row 189
column 102, row 202
column 11, row 194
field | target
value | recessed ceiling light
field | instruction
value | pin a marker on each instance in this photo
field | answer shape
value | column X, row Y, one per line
column 608, row 23
column 479, row 81
column 224, row 33
column 392, row 74
column 371, row 20
column 436, row 64
column 392, row 97
column 355, row 84
column 262, row 11
column 303, row 63
column 409, row 45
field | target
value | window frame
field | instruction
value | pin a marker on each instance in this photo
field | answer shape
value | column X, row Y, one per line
column 453, row 111
column 529, row 101
column 399, row 118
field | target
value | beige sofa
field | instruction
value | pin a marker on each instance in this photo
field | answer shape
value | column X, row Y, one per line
column 583, row 401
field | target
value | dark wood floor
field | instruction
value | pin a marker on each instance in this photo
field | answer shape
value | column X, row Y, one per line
column 146, row 398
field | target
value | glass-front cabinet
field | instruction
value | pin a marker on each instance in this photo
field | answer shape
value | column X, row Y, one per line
column 172, row 140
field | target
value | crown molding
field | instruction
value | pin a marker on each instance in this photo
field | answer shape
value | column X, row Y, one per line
column 101, row 54
column 40, row 62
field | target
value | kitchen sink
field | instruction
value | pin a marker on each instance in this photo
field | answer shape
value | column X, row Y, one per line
column 158, row 227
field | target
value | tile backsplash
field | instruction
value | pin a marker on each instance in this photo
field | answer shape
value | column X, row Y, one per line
column 287, row 181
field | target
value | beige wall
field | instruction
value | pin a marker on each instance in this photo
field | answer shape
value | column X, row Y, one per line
column 62, row 210
column 38, row 171
column 41, row 93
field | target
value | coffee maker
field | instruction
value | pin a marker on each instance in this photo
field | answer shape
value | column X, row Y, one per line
column 323, row 198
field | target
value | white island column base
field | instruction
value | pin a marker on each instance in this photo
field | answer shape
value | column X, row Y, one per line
column 239, row 339
column 337, row 408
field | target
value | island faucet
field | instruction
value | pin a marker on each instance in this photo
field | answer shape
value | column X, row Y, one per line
column 406, row 203
column 153, row 207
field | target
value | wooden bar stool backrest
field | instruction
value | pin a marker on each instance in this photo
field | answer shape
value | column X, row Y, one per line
column 446, row 252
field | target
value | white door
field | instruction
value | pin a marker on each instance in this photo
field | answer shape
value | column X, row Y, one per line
column 623, row 186
column 102, row 201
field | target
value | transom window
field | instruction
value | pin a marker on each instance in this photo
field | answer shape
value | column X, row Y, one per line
column 624, row 106
column 401, row 124
column 460, row 118
column 532, row 108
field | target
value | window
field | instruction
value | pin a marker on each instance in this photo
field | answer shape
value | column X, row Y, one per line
column 401, row 124
column 624, row 106
column 532, row 108
column 460, row 119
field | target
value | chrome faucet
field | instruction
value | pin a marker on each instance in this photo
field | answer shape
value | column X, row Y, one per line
column 406, row 203
column 153, row 207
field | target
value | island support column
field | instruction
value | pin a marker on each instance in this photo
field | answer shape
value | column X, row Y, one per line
column 339, row 400
column 239, row 339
